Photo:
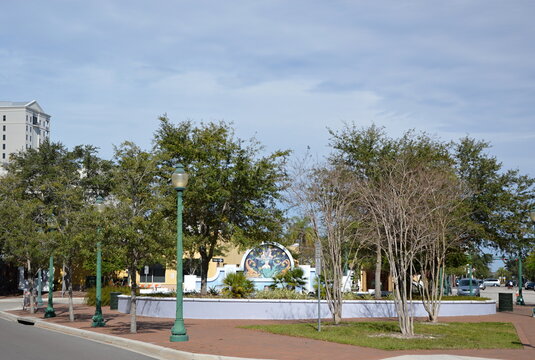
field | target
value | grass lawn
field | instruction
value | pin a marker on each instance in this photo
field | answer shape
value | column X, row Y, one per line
column 484, row 335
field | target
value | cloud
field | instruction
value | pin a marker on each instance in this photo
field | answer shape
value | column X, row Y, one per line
column 283, row 70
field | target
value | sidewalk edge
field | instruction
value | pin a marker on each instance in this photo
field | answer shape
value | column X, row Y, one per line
column 151, row 350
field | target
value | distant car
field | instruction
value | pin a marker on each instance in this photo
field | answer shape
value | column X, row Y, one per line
column 530, row 285
column 491, row 282
column 464, row 287
column 481, row 285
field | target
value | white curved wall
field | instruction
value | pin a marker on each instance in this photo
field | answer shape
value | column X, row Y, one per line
column 260, row 309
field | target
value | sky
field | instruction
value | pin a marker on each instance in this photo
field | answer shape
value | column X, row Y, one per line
column 281, row 71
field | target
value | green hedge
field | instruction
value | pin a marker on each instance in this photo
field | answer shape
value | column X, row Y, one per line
column 90, row 297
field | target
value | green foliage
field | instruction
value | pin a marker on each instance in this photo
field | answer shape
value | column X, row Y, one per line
column 281, row 294
column 503, row 272
column 529, row 265
column 237, row 285
column 232, row 192
column 385, row 335
column 299, row 231
column 52, row 189
column 135, row 226
column 291, row 279
column 500, row 200
column 213, row 291
column 90, row 296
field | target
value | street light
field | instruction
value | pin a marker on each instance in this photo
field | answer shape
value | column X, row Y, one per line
column 49, row 311
column 520, row 297
column 39, row 288
column 179, row 180
column 532, row 216
column 98, row 320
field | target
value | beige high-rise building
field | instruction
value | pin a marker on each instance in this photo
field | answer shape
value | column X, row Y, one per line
column 24, row 125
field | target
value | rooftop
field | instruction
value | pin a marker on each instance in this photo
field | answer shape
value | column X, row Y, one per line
column 15, row 103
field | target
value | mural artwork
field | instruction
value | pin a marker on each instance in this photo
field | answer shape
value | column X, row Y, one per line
column 266, row 261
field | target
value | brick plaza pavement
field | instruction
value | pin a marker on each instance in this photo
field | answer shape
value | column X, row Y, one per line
column 224, row 337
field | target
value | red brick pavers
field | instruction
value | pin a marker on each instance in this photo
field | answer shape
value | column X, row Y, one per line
column 223, row 337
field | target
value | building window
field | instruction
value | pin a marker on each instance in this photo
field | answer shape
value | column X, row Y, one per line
column 3, row 155
column 3, row 146
column 4, row 137
column 155, row 274
column 4, row 128
column 4, row 118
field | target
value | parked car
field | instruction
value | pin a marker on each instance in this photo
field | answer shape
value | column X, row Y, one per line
column 530, row 285
column 481, row 285
column 491, row 282
column 464, row 287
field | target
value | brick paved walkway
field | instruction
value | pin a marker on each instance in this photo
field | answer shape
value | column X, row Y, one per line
column 223, row 337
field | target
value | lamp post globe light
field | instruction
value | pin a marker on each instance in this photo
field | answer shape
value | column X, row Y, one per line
column 179, row 180
column 98, row 320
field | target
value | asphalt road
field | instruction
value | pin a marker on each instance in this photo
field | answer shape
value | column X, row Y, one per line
column 25, row 342
column 492, row 293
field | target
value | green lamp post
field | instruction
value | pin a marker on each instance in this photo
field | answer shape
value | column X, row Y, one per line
column 179, row 181
column 98, row 320
column 470, row 273
column 39, row 288
column 49, row 312
column 532, row 216
column 520, row 297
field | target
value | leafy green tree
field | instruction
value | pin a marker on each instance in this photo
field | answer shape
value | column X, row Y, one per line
column 500, row 200
column 233, row 191
column 529, row 265
column 503, row 273
column 299, row 231
column 290, row 279
column 136, row 227
column 22, row 237
column 56, row 183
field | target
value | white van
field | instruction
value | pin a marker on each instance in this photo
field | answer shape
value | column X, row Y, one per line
column 491, row 282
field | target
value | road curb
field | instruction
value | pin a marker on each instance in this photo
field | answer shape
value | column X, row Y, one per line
column 156, row 351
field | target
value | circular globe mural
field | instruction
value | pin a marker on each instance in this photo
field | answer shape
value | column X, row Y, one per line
column 266, row 261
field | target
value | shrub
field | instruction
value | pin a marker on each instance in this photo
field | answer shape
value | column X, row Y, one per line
column 290, row 279
column 90, row 297
column 237, row 285
column 213, row 291
column 280, row 294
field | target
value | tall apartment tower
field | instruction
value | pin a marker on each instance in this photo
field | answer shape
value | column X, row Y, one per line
column 25, row 125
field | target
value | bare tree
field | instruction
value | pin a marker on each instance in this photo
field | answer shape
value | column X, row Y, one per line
column 445, row 207
column 397, row 206
column 325, row 194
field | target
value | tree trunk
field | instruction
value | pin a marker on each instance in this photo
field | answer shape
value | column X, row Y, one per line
column 206, row 256
column 31, row 285
column 133, row 307
column 378, row 268
column 63, row 282
column 68, row 279
column 205, row 263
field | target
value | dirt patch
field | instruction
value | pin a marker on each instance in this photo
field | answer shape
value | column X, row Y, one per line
column 401, row 336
